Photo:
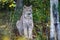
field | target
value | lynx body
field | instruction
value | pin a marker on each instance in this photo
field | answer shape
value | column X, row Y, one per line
column 25, row 24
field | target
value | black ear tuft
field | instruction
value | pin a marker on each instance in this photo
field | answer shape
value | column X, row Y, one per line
column 30, row 6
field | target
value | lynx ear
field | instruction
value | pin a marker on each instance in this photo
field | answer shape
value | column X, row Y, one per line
column 30, row 6
column 24, row 6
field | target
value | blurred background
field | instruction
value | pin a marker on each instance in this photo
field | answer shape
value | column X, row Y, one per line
column 11, row 11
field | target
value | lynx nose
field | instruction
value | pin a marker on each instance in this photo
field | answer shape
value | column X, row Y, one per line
column 29, row 13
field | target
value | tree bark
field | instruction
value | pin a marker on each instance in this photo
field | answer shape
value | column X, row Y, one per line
column 54, row 28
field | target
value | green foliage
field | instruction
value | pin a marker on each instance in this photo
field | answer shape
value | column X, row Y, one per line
column 40, row 15
column 59, row 10
column 7, row 4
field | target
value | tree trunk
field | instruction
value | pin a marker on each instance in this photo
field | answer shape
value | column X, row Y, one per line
column 19, row 4
column 17, row 14
column 54, row 29
column 19, row 7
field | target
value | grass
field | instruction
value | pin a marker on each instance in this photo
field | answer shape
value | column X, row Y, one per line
column 15, row 38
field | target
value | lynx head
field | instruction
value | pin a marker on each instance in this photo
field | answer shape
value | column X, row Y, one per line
column 27, row 10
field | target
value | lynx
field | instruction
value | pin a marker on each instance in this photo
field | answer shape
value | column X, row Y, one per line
column 25, row 24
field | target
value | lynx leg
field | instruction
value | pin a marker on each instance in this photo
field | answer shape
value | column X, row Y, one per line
column 19, row 27
column 25, row 31
column 30, row 30
column 30, row 33
column 21, row 31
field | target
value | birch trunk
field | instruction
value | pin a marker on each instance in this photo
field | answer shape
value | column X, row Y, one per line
column 54, row 16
